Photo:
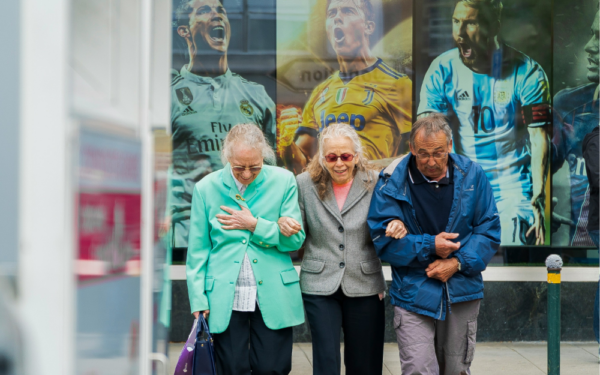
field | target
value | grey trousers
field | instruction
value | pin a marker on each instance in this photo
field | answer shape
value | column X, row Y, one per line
column 437, row 347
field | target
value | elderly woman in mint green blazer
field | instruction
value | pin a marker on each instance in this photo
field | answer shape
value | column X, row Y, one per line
column 239, row 272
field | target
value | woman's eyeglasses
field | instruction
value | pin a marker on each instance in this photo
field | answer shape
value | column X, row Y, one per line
column 242, row 169
column 332, row 158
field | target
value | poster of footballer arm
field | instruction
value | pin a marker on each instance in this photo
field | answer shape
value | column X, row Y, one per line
column 491, row 82
column 347, row 61
column 217, row 63
column 576, row 113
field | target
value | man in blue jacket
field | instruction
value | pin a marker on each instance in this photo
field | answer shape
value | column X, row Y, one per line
column 447, row 205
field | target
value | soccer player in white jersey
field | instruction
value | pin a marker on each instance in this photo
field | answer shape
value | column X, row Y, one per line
column 497, row 100
column 207, row 99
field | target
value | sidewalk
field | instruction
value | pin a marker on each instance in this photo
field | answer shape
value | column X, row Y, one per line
column 497, row 358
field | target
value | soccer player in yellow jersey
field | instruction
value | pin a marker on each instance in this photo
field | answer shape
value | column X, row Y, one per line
column 365, row 93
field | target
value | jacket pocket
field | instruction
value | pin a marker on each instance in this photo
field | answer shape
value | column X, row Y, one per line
column 209, row 282
column 314, row 266
column 370, row 266
column 471, row 339
column 289, row 276
column 397, row 319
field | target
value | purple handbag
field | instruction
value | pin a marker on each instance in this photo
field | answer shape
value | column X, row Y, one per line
column 186, row 358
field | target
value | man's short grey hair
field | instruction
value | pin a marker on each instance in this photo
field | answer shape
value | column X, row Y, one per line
column 430, row 124
column 248, row 135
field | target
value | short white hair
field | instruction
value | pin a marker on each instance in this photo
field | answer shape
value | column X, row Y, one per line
column 339, row 130
column 250, row 136
column 431, row 123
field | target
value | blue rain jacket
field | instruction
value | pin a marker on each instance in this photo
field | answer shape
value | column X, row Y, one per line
column 473, row 216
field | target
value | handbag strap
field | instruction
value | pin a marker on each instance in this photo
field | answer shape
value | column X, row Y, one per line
column 202, row 328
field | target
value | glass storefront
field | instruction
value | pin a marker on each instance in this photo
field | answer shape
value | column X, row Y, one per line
column 517, row 80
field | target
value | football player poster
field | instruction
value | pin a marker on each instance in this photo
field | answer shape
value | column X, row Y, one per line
column 575, row 110
column 223, row 52
column 489, row 75
column 344, row 61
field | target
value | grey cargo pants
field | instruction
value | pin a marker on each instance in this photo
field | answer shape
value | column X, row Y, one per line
column 437, row 347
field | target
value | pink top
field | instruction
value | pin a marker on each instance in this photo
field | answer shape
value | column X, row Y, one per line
column 341, row 192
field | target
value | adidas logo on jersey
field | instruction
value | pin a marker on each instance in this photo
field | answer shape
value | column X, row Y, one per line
column 463, row 96
column 188, row 111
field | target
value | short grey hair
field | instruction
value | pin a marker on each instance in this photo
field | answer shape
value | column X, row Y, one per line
column 339, row 130
column 251, row 136
column 431, row 123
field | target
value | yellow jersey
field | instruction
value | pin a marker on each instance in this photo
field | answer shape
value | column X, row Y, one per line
column 376, row 101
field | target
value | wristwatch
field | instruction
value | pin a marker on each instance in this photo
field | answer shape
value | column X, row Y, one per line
column 459, row 265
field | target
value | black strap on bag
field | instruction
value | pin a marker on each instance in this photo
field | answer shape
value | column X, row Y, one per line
column 204, row 351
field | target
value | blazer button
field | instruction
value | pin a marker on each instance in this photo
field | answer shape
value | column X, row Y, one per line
column 341, row 229
column 342, row 247
column 260, row 282
column 342, row 264
column 244, row 241
column 255, row 260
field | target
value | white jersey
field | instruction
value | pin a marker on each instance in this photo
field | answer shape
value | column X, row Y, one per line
column 203, row 110
column 489, row 115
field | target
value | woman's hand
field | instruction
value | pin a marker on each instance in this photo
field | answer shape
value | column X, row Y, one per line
column 205, row 313
column 242, row 219
column 396, row 229
column 288, row 226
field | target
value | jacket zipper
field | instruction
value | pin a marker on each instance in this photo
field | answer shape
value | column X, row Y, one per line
column 449, row 300
column 450, row 228
column 459, row 200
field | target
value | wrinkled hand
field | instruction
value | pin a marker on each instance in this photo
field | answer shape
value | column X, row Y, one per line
column 288, row 226
column 205, row 313
column 443, row 245
column 538, row 227
column 442, row 269
column 396, row 229
column 242, row 219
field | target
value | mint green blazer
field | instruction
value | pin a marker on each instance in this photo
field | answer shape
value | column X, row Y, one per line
column 215, row 255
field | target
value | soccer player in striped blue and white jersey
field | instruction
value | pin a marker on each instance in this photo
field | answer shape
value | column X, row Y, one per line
column 497, row 99
column 207, row 99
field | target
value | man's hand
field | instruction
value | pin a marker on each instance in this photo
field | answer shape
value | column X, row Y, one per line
column 443, row 245
column 288, row 226
column 237, row 219
column 538, row 226
column 205, row 313
column 396, row 229
column 442, row 269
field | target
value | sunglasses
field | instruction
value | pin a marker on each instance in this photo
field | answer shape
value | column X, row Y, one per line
column 242, row 169
column 332, row 158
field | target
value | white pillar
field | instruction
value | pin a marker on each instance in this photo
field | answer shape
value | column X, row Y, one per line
column 46, row 202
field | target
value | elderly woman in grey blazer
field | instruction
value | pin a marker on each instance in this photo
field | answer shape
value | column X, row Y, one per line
column 341, row 279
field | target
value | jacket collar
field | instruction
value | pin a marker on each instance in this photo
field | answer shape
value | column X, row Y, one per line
column 251, row 189
column 357, row 191
column 399, row 177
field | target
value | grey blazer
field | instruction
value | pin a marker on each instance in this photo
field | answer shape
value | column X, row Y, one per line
column 338, row 249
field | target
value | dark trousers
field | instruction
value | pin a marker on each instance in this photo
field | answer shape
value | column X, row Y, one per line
column 249, row 346
column 363, row 322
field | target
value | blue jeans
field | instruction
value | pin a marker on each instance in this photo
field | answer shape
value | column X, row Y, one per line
column 594, row 235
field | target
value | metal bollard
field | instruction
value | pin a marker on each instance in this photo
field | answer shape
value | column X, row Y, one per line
column 554, row 265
